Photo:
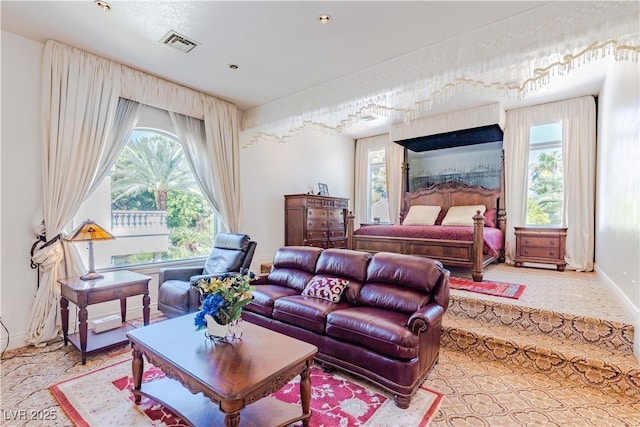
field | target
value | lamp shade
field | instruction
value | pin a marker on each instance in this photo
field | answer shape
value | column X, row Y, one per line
column 89, row 230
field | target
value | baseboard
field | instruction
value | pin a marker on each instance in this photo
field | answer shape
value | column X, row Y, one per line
column 20, row 340
column 627, row 304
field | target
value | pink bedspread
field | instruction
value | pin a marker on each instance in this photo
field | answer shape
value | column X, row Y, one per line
column 493, row 240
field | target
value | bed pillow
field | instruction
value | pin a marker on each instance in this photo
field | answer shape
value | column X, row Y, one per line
column 421, row 215
column 326, row 288
column 462, row 215
column 490, row 218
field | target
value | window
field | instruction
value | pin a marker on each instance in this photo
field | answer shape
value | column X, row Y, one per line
column 545, row 183
column 151, row 203
column 377, row 194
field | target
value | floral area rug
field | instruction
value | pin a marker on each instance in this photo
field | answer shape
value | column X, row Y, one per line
column 488, row 287
column 103, row 398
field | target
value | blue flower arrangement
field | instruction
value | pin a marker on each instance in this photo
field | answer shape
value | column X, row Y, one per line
column 223, row 297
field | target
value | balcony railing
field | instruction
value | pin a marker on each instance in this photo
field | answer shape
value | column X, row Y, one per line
column 139, row 222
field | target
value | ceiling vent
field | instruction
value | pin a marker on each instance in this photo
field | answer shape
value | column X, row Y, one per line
column 178, row 41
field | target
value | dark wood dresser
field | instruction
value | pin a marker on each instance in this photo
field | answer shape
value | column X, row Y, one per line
column 318, row 221
column 542, row 245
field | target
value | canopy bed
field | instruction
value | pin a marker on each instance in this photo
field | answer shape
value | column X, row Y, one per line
column 476, row 244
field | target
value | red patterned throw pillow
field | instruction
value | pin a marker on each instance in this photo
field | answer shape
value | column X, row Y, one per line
column 326, row 288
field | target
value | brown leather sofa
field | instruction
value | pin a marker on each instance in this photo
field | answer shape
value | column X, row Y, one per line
column 385, row 326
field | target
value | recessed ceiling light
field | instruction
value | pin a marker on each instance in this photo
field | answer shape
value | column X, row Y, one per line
column 323, row 19
column 102, row 5
column 233, row 66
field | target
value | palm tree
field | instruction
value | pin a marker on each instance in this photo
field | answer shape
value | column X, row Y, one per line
column 547, row 184
column 155, row 164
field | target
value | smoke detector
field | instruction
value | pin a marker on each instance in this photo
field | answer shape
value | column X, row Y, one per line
column 178, row 41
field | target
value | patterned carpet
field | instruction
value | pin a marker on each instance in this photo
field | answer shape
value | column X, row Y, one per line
column 478, row 391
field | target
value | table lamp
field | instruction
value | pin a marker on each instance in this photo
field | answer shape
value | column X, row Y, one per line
column 89, row 231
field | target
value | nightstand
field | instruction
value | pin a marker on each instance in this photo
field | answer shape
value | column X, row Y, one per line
column 541, row 245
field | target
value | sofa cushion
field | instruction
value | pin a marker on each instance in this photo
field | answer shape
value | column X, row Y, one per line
column 347, row 264
column 390, row 297
column 294, row 266
column 382, row 331
column 326, row 288
column 265, row 295
column 305, row 312
column 406, row 271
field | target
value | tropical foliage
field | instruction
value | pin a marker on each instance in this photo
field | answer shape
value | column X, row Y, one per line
column 545, row 189
column 152, row 174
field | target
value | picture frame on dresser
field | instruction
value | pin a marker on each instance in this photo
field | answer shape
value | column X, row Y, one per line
column 323, row 189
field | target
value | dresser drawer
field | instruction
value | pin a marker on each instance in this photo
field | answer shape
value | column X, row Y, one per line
column 316, row 213
column 540, row 241
column 317, row 223
column 317, row 243
column 338, row 243
column 336, row 233
column 317, row 234
column 336, row 223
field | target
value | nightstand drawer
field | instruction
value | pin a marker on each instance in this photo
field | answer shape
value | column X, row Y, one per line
column 539, row 252
column 544, row 242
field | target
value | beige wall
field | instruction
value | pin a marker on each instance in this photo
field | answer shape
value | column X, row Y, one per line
column 272, row 169
column 618, row 187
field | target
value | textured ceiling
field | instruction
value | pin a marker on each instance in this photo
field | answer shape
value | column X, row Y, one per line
column 280, row 47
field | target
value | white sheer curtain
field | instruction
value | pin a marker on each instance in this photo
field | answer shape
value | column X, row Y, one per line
column 394, row 156
column 578, row 155
column 127, row 115
column 80, row 104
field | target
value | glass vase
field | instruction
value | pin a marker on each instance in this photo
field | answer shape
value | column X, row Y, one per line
column 217, row 332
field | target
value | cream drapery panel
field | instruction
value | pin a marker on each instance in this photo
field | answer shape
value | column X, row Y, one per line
column 516, row 158
column 221, row 127
column 578, row 158
column 394, row 156
column 84, row 125
column 79, row 103
column 201, row 156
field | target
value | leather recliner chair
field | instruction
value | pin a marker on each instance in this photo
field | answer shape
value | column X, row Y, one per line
column 232, row 252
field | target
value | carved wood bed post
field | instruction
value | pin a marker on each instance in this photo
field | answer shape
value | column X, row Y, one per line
column 478, row 243
column 350, row 227
column 405, row 189
column 502, row 213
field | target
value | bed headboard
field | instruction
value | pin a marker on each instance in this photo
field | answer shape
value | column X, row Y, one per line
column 449, row 194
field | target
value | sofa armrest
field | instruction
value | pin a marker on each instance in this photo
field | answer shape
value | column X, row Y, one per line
column 423, row 319
column 178, row 273
column 261, row 279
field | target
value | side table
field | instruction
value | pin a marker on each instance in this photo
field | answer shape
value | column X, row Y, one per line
column 116, row 285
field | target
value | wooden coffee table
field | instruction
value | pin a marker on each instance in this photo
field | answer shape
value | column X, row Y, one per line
column 232, row 378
